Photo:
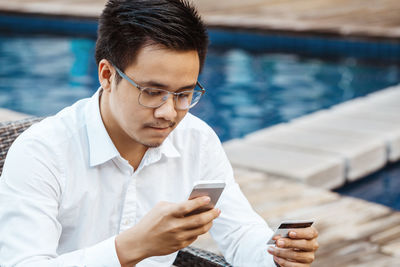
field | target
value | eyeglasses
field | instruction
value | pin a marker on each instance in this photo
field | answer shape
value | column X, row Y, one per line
column 155, row 97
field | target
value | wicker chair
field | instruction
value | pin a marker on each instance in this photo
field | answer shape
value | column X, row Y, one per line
column 188, row 256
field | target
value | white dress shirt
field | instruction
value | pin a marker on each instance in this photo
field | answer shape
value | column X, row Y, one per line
column 65, row 192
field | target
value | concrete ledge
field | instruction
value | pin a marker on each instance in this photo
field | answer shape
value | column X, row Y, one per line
column 317, row 170
column 10, row 115
column 377, row 110
column 361, row 156
column 376, row 114
column 328, row 147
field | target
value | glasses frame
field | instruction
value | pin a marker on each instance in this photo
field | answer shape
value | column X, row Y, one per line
column 141, row 89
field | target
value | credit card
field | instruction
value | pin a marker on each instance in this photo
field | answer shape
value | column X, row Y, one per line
column 285, row 227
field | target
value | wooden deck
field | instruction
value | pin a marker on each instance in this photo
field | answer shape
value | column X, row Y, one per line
column 379, row 18
column 357, row 18
column 353, row 232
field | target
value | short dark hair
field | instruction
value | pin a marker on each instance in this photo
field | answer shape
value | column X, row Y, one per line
column 125, row 26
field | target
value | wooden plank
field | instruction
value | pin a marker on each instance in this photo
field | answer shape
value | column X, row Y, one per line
column 342, row 17
column 353, row 232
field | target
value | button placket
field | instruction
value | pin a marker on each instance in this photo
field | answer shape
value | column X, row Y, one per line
column 129, row 213
column 129, row 210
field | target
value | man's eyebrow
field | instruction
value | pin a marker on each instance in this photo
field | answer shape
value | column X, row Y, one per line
column 155, row 84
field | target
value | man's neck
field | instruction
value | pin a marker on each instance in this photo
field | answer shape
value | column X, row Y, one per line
column 129, row 149
column 133, row 155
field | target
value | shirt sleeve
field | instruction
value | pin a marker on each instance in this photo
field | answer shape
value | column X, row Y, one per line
column 30, row 193
column 241, row 234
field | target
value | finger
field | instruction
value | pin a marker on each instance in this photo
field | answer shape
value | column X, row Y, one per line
column 182, row 244
column 188, row 206
column 300, row 244
column 292, row 255
column 194, row 233
column 303, row 233
column 190, row 241
column 281, row 262
column 276, row 237
column 201, row 219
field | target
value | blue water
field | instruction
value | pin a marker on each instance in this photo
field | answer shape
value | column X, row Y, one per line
column 246, row 91
column 382, row 187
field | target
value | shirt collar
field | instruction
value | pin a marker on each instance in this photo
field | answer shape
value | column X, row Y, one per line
column 101, row 147
column 155, row 154
column 167, row 149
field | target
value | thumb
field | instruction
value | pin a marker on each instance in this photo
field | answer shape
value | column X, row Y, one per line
column 190, row 205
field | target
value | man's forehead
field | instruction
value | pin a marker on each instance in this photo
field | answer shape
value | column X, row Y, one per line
column 156, row 51
column 163, row 68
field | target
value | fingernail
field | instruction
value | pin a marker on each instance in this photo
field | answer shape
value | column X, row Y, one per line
column 271, row 249
column 219, row 211
column 280, row 243
column 206, row 199
column 292, row 234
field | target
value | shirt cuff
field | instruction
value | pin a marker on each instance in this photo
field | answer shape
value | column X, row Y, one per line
column 103, row 254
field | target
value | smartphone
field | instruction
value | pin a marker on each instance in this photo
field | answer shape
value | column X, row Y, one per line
column 285, row 227
column 211, row 188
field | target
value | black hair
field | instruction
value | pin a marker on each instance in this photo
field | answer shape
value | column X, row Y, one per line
column 125, row 26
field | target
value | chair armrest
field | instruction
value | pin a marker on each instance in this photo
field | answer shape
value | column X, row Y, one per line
column 195, row 257
column 9, row 131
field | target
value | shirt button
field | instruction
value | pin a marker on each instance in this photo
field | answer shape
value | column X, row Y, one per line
column 127, row 222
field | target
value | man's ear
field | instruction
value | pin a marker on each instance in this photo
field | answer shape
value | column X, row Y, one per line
column 105, row 71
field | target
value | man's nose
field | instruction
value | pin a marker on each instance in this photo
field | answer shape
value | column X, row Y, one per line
column 167, row 110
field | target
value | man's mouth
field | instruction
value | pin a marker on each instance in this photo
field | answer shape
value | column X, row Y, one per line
column 160, row 127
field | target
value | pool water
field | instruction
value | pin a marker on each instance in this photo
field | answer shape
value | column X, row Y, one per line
column 381, row 187
column 246, row 91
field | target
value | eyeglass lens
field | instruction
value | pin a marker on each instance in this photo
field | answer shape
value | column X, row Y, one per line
column 150, row 97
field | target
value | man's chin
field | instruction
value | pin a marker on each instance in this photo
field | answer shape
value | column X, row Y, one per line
column 151, row 139
column 150, row 144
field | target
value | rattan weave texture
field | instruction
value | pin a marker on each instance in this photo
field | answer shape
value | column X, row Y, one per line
column 195, row 257
column 9, row 131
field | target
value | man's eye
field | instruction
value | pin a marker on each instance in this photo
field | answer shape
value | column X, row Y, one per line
column 152, row 92
column 184, row 95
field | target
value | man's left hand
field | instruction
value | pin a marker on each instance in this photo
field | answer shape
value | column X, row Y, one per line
column 296, row 251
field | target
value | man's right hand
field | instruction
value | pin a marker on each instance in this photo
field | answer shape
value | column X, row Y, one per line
column 164, row 230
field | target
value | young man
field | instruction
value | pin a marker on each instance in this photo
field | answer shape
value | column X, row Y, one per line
column 105, row 182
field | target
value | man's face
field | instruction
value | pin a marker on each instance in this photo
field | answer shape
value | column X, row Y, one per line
column 155, row 67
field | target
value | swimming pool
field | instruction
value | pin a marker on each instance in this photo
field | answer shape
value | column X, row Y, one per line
column 381, row 187
column 246, row 90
